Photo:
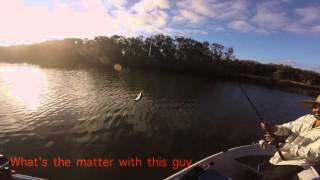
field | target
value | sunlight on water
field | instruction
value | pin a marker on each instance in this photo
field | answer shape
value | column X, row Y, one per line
column 24, row 84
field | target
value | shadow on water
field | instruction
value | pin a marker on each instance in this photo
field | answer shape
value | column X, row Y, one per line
column 91, row 113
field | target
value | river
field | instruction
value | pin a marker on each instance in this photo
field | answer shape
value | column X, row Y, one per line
column 90, row 113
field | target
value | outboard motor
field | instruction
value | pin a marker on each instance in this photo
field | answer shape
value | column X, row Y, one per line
column 5, row 169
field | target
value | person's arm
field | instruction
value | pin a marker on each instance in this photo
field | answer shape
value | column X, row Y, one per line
column 290, row 127
column 312, row 151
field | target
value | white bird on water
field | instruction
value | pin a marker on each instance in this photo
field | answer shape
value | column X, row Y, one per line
column 139, row 96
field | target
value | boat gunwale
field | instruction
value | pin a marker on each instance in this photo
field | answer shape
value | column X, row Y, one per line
column 207, row 159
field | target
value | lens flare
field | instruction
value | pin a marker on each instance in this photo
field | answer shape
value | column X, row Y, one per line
column 117, row 67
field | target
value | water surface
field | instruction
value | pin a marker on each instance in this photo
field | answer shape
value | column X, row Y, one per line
column 91, row 113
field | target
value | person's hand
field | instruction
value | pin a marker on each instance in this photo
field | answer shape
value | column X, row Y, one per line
column 270, row 138
column 263, row 125
column 267, row 127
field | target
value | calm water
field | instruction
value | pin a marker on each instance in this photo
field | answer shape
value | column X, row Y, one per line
column 91, row 113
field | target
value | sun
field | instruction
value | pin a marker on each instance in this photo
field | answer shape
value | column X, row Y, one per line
column 25, row 84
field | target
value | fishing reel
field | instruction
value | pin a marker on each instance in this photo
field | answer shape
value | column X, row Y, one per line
column 263, row 143
column 5, row 169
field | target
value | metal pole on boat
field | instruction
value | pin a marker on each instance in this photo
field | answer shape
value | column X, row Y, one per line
column 261, row 119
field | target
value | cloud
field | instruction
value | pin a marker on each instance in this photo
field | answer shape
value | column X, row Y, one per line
column 241, row 26
column 118, row 4
column 216, row 9
column 269, row 17
column 192, row 12
column 295, row 28
column 188, row 16
column 231, row 9
column 308, row 14
column 315, row 29
column 37, row 23
column 301, row 28
column 298, row 27
column 214, row 27
column 145, row 6
column 149, row 22
column 213, row 15
column 148, row 16
column 22, row 22
column 80, row 18
column 200, row 6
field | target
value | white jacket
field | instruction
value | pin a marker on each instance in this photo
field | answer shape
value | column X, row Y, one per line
column 302, row 147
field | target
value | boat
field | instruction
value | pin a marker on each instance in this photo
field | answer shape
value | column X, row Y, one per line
column 239, row 163
column 6, row 173
column 24, row 177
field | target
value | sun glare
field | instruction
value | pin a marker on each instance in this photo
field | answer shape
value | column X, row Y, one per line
column 25, row 84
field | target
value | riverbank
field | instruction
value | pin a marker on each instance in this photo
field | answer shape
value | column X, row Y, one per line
column 293, row 86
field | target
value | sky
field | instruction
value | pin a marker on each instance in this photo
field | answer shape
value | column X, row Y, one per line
column 269, row 31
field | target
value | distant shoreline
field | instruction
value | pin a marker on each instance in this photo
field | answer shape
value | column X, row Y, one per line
column 160, row 53
column 283, row 84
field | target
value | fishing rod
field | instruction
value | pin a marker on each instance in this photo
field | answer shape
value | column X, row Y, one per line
column 251, row 103
column 262, row 120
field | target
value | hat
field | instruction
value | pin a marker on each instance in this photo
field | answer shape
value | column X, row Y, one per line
column 310, row 103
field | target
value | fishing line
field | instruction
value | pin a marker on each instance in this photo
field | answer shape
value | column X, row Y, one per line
column 261, row 119
column 251, row 103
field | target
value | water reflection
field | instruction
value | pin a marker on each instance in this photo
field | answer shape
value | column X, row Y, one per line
column 24, row 84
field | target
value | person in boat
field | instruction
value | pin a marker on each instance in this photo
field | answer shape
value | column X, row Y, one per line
column 301, row 148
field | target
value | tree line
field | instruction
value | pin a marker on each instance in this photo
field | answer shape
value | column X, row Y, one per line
column 159, row 52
